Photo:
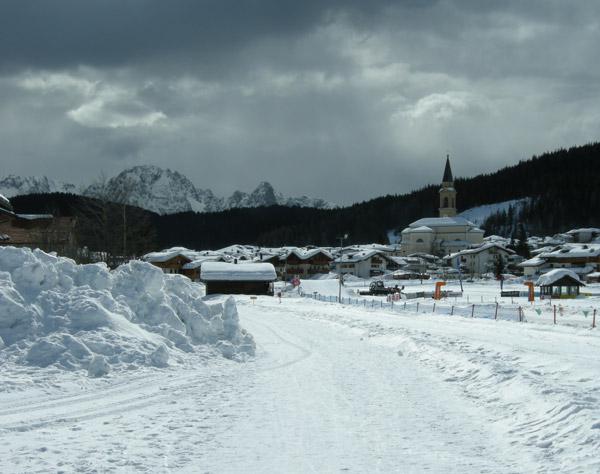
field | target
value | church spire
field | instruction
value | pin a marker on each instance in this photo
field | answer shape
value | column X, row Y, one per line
column 447, row 172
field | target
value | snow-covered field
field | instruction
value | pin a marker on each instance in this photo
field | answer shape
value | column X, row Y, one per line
column 331, row 388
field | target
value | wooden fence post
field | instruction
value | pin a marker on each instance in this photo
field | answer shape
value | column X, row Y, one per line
column 434, row 307
column 452, row 311
column 594, row 319
column 417, row 306
column 496, row 313
column 554, row 314
column 473, row 311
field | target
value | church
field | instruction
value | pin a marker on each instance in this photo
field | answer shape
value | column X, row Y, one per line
column 445, row 234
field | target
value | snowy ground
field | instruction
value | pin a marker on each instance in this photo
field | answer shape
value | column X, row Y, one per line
column 332, row 388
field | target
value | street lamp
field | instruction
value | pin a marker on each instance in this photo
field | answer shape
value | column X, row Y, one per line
column 342, row 238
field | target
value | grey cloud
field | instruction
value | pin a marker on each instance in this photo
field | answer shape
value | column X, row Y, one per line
column 341, row 100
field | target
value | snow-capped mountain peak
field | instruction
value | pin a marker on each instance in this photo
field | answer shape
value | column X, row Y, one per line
column 160, row 190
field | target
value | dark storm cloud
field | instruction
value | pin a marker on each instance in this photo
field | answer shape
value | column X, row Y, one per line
column 340, row 99
column 66, row 33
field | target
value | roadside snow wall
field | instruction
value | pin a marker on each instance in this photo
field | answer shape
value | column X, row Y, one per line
column 85, row 317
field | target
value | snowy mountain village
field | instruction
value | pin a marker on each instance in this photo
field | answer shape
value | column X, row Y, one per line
column 444, row 248
column 464, row 352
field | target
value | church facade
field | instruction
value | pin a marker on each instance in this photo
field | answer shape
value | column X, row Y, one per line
column 445, row 234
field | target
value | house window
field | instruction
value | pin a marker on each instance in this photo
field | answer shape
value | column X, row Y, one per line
column 419, row 241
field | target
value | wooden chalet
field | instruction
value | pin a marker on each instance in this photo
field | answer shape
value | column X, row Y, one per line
column 46, row 232
column 180, row 261
column 306, row 262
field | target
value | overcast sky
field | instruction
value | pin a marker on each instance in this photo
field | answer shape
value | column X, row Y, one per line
column 333, row 99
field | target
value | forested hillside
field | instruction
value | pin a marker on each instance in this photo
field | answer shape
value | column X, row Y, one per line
column 564, row 186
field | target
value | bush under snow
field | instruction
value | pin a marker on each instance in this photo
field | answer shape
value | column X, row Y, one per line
column 85, row 317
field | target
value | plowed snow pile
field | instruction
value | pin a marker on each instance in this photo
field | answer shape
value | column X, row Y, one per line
column 85, row 317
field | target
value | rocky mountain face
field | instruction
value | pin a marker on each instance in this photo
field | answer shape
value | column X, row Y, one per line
column 160, row 190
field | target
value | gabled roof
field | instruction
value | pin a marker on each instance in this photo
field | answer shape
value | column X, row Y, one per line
column 168, row 254
column 553, row 276
column 303, row 254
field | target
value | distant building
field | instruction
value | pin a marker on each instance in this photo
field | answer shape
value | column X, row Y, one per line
column 579, row 258
column 182, row 261
column 238, row 278
column 445, row 234
column 43, row 231
column 479, row 260
column 363, row 264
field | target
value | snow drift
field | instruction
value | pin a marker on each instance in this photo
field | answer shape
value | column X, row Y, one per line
column 85, row 317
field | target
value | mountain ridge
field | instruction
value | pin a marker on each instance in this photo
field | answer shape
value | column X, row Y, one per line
column 160, row 190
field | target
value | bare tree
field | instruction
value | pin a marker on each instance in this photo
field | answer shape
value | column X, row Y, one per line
column 108, row 221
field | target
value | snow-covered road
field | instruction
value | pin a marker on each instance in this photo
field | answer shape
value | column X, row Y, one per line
column 332, row 389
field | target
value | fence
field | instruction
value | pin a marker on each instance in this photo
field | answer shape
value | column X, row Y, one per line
column 545, row 313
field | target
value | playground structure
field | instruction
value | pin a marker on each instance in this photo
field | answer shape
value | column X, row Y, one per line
column 438, row 290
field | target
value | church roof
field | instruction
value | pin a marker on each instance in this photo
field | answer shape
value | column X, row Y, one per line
column 447, row 171
column 442, row 222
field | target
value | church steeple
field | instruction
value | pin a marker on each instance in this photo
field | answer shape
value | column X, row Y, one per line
column 447, row 192
column 447, row 172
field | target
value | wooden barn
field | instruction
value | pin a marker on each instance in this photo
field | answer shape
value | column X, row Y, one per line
column 559, row 283
column 238, row 278
column 43, row 231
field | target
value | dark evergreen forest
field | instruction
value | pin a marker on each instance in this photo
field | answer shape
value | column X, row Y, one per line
column 564, row 186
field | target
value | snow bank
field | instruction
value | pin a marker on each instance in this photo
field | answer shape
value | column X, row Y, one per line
column 85, row 317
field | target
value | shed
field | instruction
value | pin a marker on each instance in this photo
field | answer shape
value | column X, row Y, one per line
column 238, row 278
column 560, row 283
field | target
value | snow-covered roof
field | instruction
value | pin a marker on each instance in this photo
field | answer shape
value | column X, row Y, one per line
column 588, row 230
column 533, row 262
column 416, row 230
column 168, row 254
column 221, row 271
column 5, row 205
column 198, row 262
column 357, row 256
column 481, row 248
column 442, row 222
column 553, row 276
column 304, row 254
column 33, row 217
column 568, row 251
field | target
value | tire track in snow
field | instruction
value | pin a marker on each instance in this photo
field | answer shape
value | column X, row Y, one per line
column 106, row 403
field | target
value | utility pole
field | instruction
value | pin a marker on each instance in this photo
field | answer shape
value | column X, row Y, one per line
column 340, row 275
column 459, row 274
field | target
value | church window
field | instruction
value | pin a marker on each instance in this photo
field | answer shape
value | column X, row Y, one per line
column 419, row 241
column 445, row 202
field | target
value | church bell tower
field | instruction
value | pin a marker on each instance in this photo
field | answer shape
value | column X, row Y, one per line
column 447, row 192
